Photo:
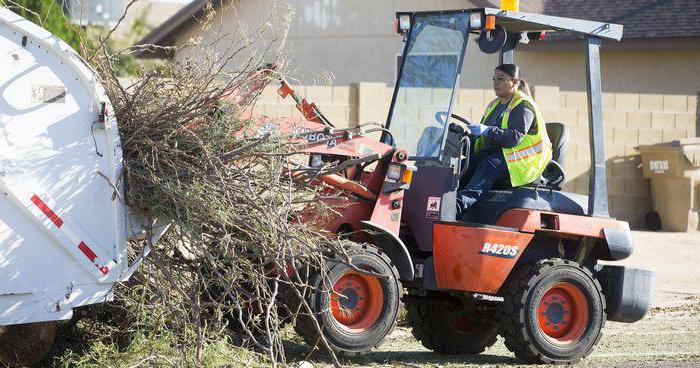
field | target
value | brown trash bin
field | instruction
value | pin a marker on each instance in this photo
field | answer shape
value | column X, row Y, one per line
column 674, row 170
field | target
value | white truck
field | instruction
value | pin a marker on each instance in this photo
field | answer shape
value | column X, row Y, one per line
column 63, row 221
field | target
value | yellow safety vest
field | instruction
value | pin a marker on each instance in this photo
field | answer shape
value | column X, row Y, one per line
column 528, row 159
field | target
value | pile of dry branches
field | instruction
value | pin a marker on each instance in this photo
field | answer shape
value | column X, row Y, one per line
column 233, row 265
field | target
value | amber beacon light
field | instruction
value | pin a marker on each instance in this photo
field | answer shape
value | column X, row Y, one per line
column 512, row 5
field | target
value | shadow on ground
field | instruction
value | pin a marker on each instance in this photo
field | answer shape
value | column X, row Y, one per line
column 299, row 352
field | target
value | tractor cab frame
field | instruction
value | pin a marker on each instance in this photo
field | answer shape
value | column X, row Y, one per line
column 431, row 65
column 523, row 263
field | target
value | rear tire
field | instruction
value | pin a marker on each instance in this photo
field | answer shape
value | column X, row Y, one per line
column 449, row 330
column 25, row 344
column 359, row 321
column 553, row 312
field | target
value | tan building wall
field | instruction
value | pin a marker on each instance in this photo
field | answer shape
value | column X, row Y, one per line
column 353, row 41
column 651, row 71
column 155, row 11
column 629, row 120
column 650, row 89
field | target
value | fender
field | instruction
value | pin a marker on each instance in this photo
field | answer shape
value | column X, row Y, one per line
column 388, row 242
column 616, row 234
column 619, row 243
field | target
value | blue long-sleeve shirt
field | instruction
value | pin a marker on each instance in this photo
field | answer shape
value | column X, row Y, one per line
column 519, row 123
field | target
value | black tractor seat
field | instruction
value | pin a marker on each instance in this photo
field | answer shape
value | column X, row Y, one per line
column 553, row 175
column 494, row 203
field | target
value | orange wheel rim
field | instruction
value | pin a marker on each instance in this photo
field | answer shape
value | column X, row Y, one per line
column 562, row 313
column 357, row 301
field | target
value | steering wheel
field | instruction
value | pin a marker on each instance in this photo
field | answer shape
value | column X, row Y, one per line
column 465, row 143
column 441, row 117
column 465, row 121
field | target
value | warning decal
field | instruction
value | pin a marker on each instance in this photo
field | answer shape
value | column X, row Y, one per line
column 432, row 210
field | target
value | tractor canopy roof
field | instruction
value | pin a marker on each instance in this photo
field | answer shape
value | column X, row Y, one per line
column 434, row 54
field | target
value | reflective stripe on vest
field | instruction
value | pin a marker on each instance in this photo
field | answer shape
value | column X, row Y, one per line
column 524, row 153
column 528, row 159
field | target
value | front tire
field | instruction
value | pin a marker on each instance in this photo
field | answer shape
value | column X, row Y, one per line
column 553, row 312
column 450, row 330
column 362, row 309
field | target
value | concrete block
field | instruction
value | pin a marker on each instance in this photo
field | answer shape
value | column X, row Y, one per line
column 576, row 168
column 675, row 102
column 614, row 150
column 341, row 95
column 578, row 134
column 353, row 115
column 650, row 135
column 627, row 101
column 567, row 116
column 662, row 119
column 471, row 97
column 614, row 118
column 693, row 103
column 547, row 97
column 576, row 100
column 370, row 93
column 626, row 137
column 636, row 187
column 692, row 133
column 608, row 135
column 464, row 111
column 639, row 119
column 651, row 102
column 279, row 110
column 418, row 96
column 569, row 186
column 337, row 114
column 320, row 95
column 685, row 120
column 582, row 118
column 372, row 114
column 583, row 153
column 269, row 95
column 441, row 96
column 582, row 184
column 672, row 134
column 608, row 100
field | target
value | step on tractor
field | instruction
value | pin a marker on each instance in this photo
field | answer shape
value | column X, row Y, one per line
column 522, row 263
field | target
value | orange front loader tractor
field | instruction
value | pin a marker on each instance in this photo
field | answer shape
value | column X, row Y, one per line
column 523, row 263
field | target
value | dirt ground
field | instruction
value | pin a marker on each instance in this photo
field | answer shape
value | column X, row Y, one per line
column 668, row 337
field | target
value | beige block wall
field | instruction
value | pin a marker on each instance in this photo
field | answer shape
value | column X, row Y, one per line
column 629, row 120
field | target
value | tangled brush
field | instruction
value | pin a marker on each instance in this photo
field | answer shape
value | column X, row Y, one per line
column 231, row 270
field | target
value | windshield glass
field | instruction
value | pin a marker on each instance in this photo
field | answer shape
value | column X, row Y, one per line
column 427, row 78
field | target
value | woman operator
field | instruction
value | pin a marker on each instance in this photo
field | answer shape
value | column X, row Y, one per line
column 511, row 139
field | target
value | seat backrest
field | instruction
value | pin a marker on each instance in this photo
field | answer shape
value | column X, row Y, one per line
column 559, row 136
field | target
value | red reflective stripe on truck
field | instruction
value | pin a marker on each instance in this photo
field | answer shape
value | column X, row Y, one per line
column 47, row 211
column 87, row 251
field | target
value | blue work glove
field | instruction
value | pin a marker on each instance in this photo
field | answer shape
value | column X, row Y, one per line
column 478, row 129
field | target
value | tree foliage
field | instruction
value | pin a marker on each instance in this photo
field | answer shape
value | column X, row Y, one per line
column 47, row 14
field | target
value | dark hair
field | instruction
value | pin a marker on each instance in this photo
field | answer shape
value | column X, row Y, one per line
column 514, row 72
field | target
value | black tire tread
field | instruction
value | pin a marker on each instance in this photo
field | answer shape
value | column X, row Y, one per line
column 421, row 328
column 515, row 294
column 304, row 325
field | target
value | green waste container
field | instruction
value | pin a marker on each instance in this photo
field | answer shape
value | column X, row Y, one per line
column 674, row 170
